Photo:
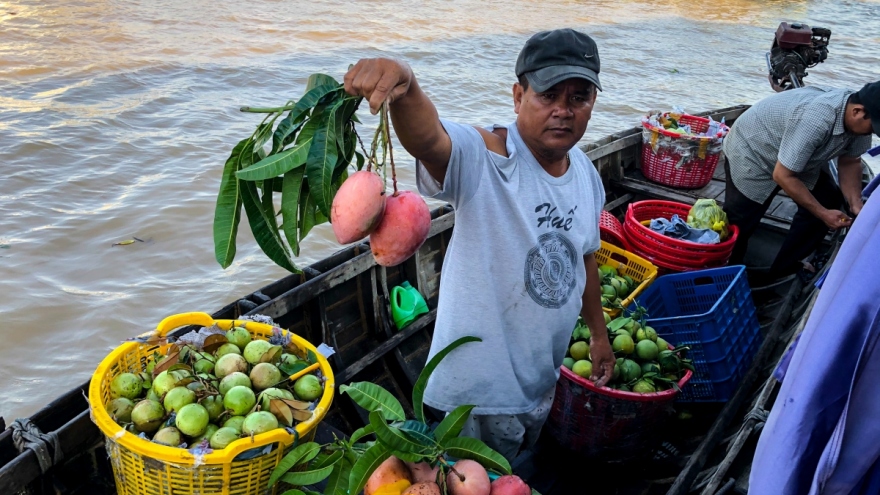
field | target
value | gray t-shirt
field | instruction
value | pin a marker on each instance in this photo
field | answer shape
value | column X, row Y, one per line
column 513, row 273
column 801, row 128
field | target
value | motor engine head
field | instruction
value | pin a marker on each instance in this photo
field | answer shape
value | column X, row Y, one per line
column 796, row 47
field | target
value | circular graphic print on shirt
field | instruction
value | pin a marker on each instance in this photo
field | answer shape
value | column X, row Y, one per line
column 549, row 270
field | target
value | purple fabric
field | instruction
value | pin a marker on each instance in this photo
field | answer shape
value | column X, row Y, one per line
column 823, row 434
column 782, row 367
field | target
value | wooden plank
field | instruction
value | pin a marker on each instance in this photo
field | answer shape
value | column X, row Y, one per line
column 614, row 146
column 696, row 462
column 383, row 348
column 785, row 210
column 76, row 436
column 626, row 198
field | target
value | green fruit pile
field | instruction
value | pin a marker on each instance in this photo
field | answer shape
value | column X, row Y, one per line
column 615, row 287
column 213, row 387
column 645, row 362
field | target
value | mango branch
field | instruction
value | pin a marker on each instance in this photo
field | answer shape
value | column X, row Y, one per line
column 265, row 110
column 387, row 136
column 451, row 468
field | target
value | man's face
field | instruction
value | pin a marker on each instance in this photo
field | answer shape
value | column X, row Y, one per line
column 552, row 122
column 857, row 121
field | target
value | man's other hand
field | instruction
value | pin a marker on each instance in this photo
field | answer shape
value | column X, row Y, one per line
column 835, row 219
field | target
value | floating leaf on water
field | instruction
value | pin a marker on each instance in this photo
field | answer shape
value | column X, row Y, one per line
column 123, row 243
column 166, row 363
column 282, row 411
column 5, row 246
column 213, row 342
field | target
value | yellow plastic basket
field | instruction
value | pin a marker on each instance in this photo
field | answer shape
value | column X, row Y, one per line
column 639, row 269
column 142, row 467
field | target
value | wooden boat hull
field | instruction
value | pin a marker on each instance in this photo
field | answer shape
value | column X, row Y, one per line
column 343, row 301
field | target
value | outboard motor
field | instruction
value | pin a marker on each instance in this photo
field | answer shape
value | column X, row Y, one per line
column 796, row 47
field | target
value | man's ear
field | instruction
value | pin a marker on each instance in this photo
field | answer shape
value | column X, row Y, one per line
column 518, row 93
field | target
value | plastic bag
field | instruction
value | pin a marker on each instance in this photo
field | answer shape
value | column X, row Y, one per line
column 706, row 214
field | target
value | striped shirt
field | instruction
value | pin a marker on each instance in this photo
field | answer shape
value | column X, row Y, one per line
column 801, row 128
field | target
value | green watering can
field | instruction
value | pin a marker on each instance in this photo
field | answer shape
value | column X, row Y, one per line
column 406, row 304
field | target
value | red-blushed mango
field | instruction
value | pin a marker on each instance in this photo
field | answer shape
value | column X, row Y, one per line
column 423, row 488
column 475, row 482
column 510, row 485
column 402, row 230
column 358, row 207
column 392, row 471
column 423, row 471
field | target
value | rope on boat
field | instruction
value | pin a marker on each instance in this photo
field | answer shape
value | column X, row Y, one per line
column 26, row 435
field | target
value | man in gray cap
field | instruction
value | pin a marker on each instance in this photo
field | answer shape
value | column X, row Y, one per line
column 520, row 268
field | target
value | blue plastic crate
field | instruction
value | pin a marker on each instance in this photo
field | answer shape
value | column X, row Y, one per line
column 712, row 312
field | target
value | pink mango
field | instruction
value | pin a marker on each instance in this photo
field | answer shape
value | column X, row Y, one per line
column 358, row 207
column 476, row 479
column 423, row 471
column 510, row 485
column 403, row 229
column 424, row 488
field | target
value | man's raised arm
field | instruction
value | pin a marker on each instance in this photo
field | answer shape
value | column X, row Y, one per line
column 414, row 116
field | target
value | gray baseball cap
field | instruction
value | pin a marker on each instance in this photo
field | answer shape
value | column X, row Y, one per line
column 550, row 57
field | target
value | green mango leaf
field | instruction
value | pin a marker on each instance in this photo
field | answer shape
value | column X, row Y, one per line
column 293, row 492
column 302, row 453
column 361, row 433
column 618, row 324
column 452, row 424
column 266, row 202
column 318, row 79
column 422, row 382
column 395, row 439
column 286, row 131
column 292, row 368
column 360, row 160
column 372, row 397
column 277, row 164
column 364, row 467
column 227, row 213
column 344, row 110
column 324, row 460
column 471, row 448
column 337, row 483
column 264, row 227
column 309, row 215
column 289, row 125
column 291, row 189
column 321, row 162
column 409, row 456
column 310, row 477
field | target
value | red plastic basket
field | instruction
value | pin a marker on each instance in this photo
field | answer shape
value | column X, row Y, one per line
column 666, row 252
column 675, row 160
column 607, row 423
column 611, row 230
column 652, row 208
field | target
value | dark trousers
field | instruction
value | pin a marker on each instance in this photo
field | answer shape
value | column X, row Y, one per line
column 804, row 235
